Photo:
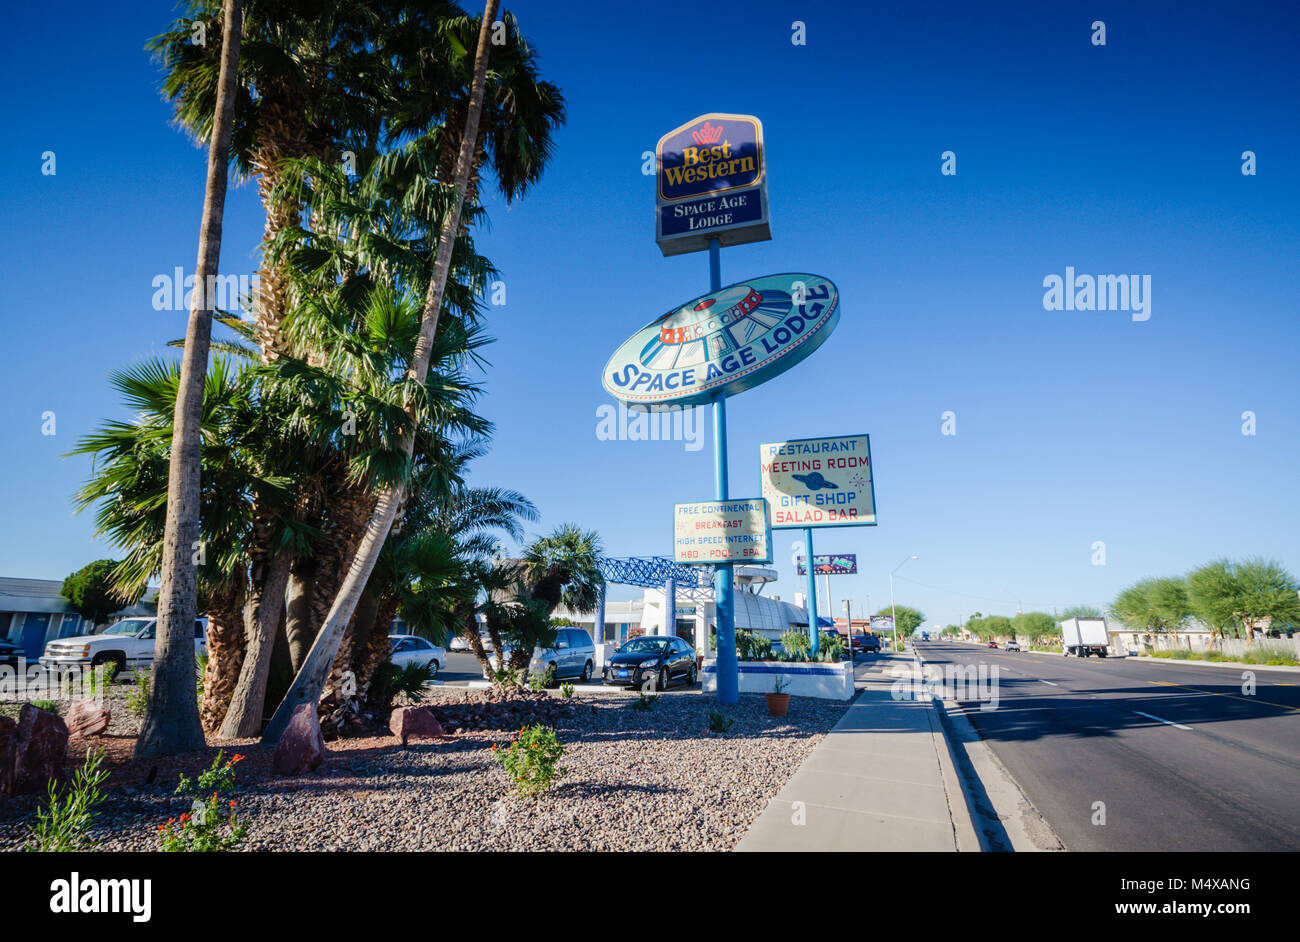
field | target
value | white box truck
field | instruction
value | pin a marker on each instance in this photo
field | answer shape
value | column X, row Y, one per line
column 1082, row 637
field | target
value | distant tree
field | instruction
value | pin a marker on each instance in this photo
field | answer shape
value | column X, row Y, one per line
column 1035, row 626
column 1156, row 605
column 909, row 619
column 93, row 593
column 1226, row 595
column 1082, row 611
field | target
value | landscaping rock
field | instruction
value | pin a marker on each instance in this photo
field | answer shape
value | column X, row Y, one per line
column 37, row 749
column 87, row 718
column 302, row 747
column 415, row 723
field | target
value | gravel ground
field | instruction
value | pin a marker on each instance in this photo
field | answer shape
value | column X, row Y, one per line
column 654, row 779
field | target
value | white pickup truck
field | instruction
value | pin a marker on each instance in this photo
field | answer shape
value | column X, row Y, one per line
column 1082, row 637
column 127, row 643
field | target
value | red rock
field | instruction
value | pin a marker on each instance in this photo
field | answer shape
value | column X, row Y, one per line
column 38, row 747
column 415, row 722
column 87, row 718
column 302, row 747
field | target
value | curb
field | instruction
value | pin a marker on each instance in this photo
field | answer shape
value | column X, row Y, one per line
column 1001, row 813
column 1231, row 665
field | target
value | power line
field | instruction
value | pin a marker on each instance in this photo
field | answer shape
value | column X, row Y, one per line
column 984, row 598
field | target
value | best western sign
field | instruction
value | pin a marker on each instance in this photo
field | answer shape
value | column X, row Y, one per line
column 712, row 184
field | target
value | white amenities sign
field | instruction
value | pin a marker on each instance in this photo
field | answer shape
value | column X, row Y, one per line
column 819, row 482
column 722, row 531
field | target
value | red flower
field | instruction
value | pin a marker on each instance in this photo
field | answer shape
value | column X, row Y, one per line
column 232, row 804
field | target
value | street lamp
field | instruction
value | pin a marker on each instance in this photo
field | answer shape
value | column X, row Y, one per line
column 893, row 613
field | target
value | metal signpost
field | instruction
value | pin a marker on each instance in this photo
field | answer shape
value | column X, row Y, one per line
column 818, row 482
column 712, row 191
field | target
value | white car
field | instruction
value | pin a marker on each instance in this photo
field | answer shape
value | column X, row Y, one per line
column 459, row 643
column 412, row 649
column 1012, row 646
column 127, row 643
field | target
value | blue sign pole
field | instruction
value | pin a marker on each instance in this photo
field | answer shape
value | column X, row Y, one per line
column 670, row 607
column 598, row 629
column 727, row 670
column 813, row 633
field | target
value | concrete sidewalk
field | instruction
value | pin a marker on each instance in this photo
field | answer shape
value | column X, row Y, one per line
column 881, row 780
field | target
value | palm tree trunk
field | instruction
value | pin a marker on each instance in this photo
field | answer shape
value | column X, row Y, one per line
column 225, row 651
column 311, row 679
column 262, row 616
column 171, row 719
column 372, row 648
column 299, row 628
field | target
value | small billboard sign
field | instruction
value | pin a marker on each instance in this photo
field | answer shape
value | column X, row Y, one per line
column 722, row 531
column 845, row 564
column 819, row 482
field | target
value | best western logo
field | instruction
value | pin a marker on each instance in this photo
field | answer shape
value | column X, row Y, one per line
column 710, row 155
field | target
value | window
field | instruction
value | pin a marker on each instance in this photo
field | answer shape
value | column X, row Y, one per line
column 561, row 640
column 419, row 644
column 199, row 633
column 579, row 638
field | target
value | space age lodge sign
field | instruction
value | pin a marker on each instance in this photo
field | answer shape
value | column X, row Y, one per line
column 819, row 482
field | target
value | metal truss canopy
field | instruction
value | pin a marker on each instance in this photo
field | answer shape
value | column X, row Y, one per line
column 651, row 572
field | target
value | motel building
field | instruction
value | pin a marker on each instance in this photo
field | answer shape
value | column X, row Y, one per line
column 32, row 612
column 764, row 615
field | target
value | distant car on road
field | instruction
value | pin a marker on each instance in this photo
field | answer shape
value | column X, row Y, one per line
column 461, row 643
column 412, row 649
column 652, row 658
column 993, row 644
column 1012, row 646
column 128, row 644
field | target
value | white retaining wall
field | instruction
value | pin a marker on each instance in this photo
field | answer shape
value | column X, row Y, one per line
column 832, row 681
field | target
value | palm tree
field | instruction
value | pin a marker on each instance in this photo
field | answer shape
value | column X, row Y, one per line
column 171, row 719
column 309, row 683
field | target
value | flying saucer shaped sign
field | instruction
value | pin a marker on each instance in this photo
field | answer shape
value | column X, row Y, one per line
column 724, row 342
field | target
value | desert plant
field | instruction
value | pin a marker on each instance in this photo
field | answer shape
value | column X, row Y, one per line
column 99, row 678
column 211, row 824
column 644, row 702
column 64, row 823
column 49, row 706
column 200, row 665
column 719, row 722
column 390, row 682
column 780, row 684
column 566, row 690
column 532, row 759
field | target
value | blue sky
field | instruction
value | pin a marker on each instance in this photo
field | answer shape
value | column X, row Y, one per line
column 1072, row 426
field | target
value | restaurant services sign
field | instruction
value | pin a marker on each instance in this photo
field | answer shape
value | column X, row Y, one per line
column 724, row 342
column 722, row 531
column 819, row 482
column 711, row 184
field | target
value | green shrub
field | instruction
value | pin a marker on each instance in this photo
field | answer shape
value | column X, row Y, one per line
column 566, row 690
column 542, row 680
column 200, row 665
column 100, row 678
column 49, row 706
column 64, row 823
column 796, row 644
column 532, row 759
column 719, row 722
column 138, row 698
column 644, row 702
column 212, row 823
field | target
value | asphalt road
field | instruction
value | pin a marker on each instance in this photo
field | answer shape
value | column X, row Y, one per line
column 1180, row 756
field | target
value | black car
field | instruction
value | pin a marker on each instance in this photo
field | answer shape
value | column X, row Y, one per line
column 651, row 660
column 870, row 643
column 10, row 652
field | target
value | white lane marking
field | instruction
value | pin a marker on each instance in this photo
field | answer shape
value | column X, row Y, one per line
column 1049, row 682
column 1159, row 720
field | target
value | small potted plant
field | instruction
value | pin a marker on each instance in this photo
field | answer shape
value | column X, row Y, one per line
column 778, row 703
